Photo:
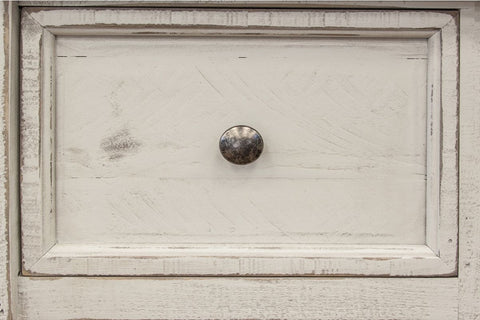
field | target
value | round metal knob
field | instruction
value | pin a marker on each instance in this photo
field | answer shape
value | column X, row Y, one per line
column 241, row 144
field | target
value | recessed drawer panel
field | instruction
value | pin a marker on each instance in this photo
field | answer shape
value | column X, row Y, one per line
column 138, row 123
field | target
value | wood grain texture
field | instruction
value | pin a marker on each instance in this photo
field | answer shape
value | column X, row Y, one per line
column 241, row 18
column 469, row 238
column 73, row 60
column 433, row 150
column 138, row 159
column 9, row 211
column 448, row 221
column 37, row 230
column 426, row 299
column 359, row 4
column 221, row 298
column 241, row 260
column 14, row 257
column 4, row 170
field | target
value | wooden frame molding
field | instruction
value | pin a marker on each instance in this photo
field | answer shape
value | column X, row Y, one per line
column 42, row 255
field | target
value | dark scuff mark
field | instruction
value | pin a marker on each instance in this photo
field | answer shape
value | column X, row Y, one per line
column 120, row 144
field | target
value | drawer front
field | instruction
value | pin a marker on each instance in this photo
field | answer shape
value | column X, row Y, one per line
column 122, row 172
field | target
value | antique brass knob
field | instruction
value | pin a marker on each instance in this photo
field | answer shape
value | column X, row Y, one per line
column 241, row 144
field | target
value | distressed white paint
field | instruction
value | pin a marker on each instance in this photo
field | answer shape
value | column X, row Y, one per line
column 224, row 298
column 9, row 213
column 138, row 159
column 447, row 239
column 4, row 278
column 242, row 18
column 33, row 194
column 309, row 260
column 347, row 4
column 469, row 232
column 406, row 299
column 14, row 256
column 122, row 183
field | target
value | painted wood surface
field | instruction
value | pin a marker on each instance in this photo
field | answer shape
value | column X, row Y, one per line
column 138, row 123
column 223, row 298
column 446, row 244
column 9, row 204
column 421, row 308
column 348, row 4
column 33, row 168
column 469, row 235
column 241, row 260
column 4, row 266
column 107, row 19
column 38, row 125
column 38, row 184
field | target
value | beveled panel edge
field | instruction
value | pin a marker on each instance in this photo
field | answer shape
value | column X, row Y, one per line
column 229, row 260
column 36, row 143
